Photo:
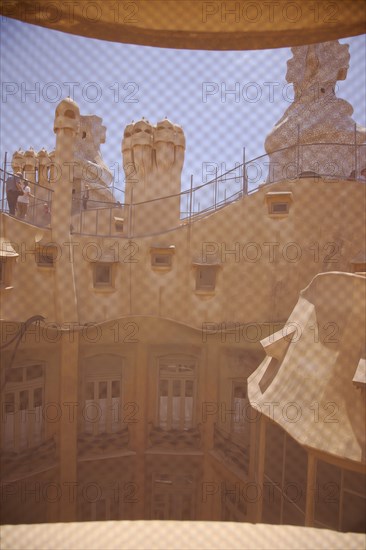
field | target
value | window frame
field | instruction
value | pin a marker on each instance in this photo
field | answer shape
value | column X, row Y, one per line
column 95, row 374
column 275, row 198
column 119, row 224
column 43, row 251
column 165, row 252
column 109, row 285
column 211, row 287
column 16, row 388
column 176, row 361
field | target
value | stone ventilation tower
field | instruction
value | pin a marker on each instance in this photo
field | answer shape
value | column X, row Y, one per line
column 153, row 159
column 30, row 165
column 43, row 167
column 17, row 162
column 90, row 169
column 66, row 128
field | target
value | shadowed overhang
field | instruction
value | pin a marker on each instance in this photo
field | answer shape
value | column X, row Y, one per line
column 197, row 25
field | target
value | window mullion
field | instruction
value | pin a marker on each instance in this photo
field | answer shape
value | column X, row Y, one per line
column 30, row 416
column 182, row 404
column 109, row 407
column 98, row 408
column 170, row 404
column 17, row 420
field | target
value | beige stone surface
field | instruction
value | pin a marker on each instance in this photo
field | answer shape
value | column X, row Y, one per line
column 256, row 282
column 174, row 535
column 311, row 385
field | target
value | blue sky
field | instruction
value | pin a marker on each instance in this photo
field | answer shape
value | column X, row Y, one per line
column 121, row 83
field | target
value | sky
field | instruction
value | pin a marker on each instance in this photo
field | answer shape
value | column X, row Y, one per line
column 121, row 83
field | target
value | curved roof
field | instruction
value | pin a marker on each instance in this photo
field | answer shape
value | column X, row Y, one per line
column 309, row 383
column 196, row 25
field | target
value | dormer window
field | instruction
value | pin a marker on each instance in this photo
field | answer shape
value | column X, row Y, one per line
column 279, row 203
column 104, row 271
column 119, row 224
column 162, row 257
column 102, row 274
column 206, row 275
column 7, row 260
column 206, row 278
column 46, row 255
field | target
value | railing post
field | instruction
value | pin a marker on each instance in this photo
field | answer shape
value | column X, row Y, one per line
column 34, row 201
column 355, row 152
column 245, row 185
column 4, row 176
column 215, row 188
column 190, row 199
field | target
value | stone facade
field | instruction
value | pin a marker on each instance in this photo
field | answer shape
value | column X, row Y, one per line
column 132, row 337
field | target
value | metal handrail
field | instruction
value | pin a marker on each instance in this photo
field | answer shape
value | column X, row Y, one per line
column 191, row 214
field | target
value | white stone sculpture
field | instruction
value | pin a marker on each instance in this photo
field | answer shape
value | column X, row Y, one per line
column 317, row 116
column 91, row 169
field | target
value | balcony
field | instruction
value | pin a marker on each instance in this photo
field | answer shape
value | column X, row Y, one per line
column 15, row 465
column 174, row 439
column 104, row 445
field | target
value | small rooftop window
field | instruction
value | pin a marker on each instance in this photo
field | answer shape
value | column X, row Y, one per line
column 206, row 275
column 279, row 203
column 162, row 257
column 119, row 224
column 46, row 255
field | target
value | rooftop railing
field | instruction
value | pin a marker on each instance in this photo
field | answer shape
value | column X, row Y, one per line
column 136, row 219
column 40, row 202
